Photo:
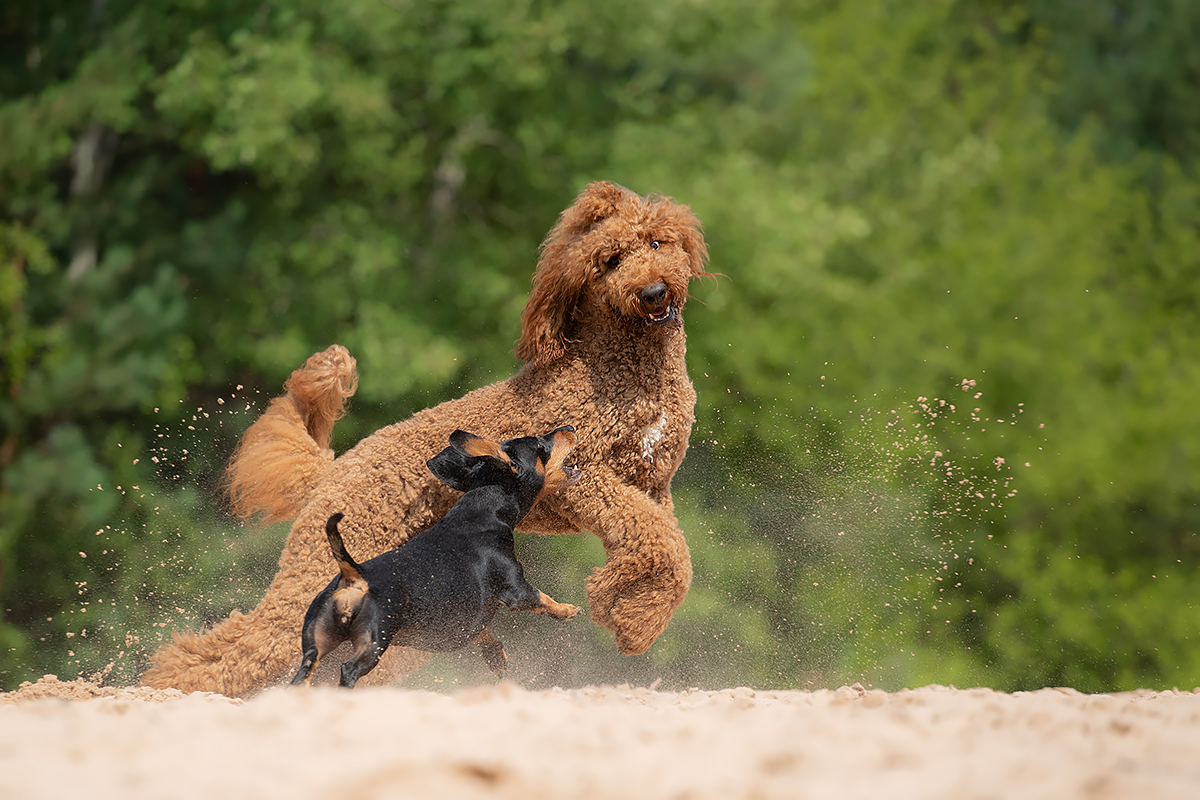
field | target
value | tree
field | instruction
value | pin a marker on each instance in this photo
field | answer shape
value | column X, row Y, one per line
column 937, row 272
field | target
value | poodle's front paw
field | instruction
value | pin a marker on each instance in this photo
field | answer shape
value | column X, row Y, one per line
column 601, row 593
column 639, row 621
column 635, row 607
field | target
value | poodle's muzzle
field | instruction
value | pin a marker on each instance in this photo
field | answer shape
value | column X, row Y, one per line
column 656, row 302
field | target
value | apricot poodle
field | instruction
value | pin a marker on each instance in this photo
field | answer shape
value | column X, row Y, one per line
column 603, row 347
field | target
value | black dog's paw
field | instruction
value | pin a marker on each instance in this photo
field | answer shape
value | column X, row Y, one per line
column 493, row 652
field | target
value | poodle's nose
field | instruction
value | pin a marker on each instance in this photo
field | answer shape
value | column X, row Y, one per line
column 655, row 294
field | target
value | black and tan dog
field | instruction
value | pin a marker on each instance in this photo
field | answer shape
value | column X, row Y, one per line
column 441, row 589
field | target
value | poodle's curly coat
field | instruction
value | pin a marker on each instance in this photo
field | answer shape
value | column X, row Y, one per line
column 603, row 344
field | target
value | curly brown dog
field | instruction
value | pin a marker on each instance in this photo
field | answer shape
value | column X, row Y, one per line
column 603, row 344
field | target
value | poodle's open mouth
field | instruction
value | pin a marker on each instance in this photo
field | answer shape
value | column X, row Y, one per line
column 662, row 316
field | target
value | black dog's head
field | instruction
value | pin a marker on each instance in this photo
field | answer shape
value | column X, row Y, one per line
column 531, row 467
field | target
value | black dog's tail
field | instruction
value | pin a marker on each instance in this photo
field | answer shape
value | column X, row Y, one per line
column 346, row 563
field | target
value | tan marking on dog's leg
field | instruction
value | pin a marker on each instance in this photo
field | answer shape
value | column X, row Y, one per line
column 554, row 608
column 312, row 670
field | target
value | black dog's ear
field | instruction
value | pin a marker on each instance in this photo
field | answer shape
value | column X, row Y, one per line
column 454, row 468
column 457, row 464
column 478, row 447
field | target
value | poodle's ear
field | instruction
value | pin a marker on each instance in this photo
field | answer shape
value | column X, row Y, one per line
column 687, row 230
column 457, row 465
column 598, row 201
column 561, row 274
column 692, row 241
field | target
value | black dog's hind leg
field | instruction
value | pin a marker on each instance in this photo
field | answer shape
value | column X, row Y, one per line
column 493, row 652
column 315, row 623
column 312, row 657
column 364, row 660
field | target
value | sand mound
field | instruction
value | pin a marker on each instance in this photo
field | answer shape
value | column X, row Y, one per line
column 49, row 686
column 602, row 742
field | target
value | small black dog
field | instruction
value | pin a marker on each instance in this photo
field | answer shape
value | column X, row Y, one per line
column 440, row 589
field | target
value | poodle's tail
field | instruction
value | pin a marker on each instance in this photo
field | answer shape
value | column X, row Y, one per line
column 282, row 456
column 240, row 657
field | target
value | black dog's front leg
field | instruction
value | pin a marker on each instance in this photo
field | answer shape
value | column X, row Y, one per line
column 519, row 595
column 493, row 652
column 548, row 605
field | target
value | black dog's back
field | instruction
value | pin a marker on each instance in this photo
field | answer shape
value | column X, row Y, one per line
column 440, row 590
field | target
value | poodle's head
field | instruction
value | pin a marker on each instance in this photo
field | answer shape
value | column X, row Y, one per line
column 615, row 255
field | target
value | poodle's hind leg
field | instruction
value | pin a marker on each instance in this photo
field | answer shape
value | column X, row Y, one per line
column 245, row 653
column 239, row 657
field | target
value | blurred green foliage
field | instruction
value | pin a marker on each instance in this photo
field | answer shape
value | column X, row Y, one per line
column 947, row 420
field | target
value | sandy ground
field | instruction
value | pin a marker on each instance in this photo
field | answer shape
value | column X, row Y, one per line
column 60, row 739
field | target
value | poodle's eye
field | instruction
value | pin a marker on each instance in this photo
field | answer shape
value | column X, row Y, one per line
column 613, row 262
column 655, row 245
